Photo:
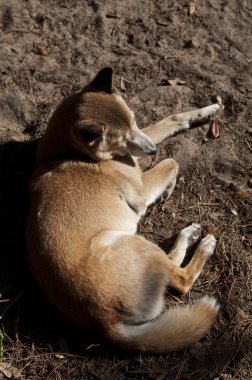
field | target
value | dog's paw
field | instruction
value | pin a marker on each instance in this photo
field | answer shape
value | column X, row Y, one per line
column 166, row 193
column 207, row 245
column 209, row 111
column 192, row 233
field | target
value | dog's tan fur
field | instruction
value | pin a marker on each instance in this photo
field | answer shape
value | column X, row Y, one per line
column 87, row 196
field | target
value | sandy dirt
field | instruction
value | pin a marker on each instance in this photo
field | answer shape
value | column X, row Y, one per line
column 52, row 48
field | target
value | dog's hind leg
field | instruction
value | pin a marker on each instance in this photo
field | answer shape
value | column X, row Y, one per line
column 187, row 237
column 183, row 278
column 179, row 122
column 136, row 307
column 145, row 257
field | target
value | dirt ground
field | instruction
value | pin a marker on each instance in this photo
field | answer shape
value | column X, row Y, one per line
column 52, row 48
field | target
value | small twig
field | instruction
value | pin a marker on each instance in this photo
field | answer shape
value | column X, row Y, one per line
column 93, row 373
column 110, row 15
column 55, row 368
column 31, row 89
column 161, row 23
column 176, row 298
column 22, row 31
column 181, row 367
column 160, row 68
column 208, row 204
column 127, row 80
column 249, row 146
column 199, row 210
column 93, row 345
column 12, row 303
column 235, row 354
column 230, row 290
column 116, row 26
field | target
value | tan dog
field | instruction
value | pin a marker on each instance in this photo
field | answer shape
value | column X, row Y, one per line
column 87, row 196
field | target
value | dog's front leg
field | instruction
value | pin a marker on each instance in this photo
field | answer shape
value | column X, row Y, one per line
column 179, row 122
column 159, row 180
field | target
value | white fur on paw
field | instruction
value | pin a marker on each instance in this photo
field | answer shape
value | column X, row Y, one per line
column 208, row 245
column 216, row 107
column 209, row 110
column 192, row 233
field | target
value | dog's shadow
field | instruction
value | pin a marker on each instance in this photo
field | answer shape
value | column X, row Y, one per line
column 16, row 165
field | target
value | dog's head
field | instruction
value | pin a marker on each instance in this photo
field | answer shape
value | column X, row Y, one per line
column 95, row 122
column 106, row 127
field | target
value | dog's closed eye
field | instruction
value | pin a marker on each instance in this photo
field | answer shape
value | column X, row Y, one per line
column 90, row 132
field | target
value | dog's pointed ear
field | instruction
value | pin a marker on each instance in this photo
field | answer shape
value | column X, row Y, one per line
column 103, row 81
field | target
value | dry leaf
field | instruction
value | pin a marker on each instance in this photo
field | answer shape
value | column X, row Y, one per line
column 234, row 212
column 191, row 8
column 215, row 128
column 210, row 231
column 241, row 315
column 215, row 215
column 194, row 43
column 9, row 371
column 219, row 100
column 241, row 193
column 58, row 355
column 41, row 50
column 123, row 84
column 176, row 81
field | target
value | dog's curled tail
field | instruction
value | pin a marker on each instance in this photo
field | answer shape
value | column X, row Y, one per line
column 176, row 328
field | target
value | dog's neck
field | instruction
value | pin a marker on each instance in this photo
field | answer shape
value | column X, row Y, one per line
column 127, row 160
column 67, row 156
column 78, row 156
